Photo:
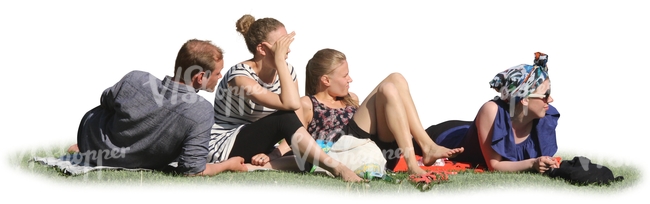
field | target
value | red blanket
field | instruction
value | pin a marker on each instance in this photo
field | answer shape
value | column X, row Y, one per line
column 449, row 166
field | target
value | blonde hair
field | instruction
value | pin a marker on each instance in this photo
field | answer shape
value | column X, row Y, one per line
column 255, row 31
column 322, row 63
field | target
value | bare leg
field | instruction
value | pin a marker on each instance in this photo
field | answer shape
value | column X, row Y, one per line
column 392, row 126
column 306, row 149
column 430, row 149
column 384, row 112
column 283, row 163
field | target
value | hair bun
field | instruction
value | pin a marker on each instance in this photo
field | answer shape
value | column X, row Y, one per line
column 244, row 23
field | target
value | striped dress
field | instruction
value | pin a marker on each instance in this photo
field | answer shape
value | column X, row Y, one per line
column 233, row 111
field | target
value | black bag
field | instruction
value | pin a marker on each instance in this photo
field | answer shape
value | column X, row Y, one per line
column 580, row 171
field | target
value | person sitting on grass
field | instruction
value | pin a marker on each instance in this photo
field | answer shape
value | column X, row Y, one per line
column 512, row 132
column 387, row 116
column 143, row 122
column 257, row 102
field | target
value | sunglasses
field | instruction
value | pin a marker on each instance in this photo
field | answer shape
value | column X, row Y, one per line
column 544, row 96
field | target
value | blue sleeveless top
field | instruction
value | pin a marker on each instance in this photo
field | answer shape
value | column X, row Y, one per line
column 541, row 142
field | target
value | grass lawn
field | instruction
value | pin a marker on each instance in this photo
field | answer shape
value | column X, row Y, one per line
column 457, row 183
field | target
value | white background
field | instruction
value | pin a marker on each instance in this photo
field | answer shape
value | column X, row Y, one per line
column 58, row 56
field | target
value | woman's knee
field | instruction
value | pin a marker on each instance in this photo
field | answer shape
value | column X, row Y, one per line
column 388, row 90
column 289, row 123
column 289, row 117
column 396, row 78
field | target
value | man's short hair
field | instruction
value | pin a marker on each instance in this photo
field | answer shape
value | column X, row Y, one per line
column 196, row 56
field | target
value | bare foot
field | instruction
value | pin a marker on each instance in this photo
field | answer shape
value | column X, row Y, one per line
column 438, row 152
column 73, row 149
column 235, row 164
column 349, row 175
column 416, row 170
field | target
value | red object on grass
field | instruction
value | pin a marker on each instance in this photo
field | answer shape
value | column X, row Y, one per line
column 430, row 176
column 450, row 167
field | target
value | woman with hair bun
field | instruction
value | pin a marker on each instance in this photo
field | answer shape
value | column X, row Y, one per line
column 256, row 103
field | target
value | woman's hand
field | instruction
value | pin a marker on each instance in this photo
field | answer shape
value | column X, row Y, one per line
column 555, row 164
column 280, row 49
column 260, row 159
column 544, row 163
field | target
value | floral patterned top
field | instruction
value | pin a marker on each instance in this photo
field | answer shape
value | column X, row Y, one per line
column 327, row 122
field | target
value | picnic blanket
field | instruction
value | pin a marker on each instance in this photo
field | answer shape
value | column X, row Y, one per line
column 73, row 165
column 441, row 165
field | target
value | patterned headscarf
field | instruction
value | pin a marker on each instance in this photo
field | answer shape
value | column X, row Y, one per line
column 519, row 81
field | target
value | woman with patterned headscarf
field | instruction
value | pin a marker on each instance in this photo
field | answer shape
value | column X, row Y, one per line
column 512, row 132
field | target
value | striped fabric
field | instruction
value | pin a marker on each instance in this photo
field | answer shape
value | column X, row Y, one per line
column 233, row 111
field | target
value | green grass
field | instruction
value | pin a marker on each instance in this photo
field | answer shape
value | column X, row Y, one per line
column 457, row 183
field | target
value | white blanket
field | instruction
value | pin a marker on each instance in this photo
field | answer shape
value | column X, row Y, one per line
column 71, row 166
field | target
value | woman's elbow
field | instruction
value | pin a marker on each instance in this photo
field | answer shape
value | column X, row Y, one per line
column 494, row 165
column 293, row 106
column 289, row 106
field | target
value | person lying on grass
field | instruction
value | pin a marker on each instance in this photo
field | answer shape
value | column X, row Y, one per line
column 145, row 122
column 256, row 104
column 387, row 116
column 512, row 132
